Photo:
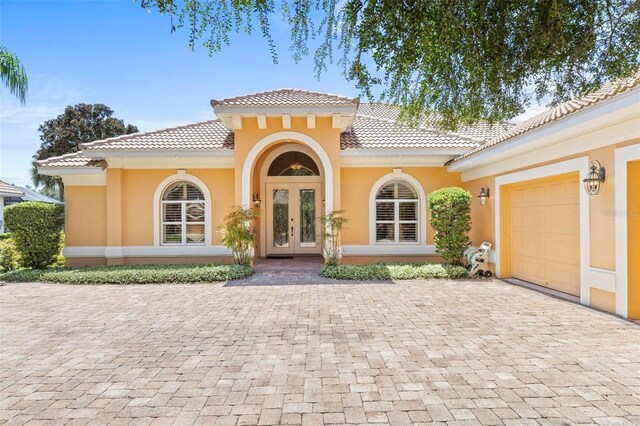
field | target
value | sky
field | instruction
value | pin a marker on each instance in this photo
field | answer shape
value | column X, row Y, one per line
column 116, row 53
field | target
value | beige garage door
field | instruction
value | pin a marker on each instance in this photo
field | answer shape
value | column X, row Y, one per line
column 545, row 232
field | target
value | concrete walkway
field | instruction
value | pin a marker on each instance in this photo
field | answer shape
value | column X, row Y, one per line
column 440, row 351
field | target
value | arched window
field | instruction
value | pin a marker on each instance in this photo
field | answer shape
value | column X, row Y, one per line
column 397, row 213
column 183, row 214
column 293, row 163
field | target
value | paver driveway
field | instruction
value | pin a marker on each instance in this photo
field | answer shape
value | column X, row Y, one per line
column 457, row 352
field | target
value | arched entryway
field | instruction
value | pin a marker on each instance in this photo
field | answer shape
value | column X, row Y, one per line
column 291, row 181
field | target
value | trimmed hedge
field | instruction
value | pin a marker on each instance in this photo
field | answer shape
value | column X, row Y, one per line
column 36, row 229
column 132, row 274
column 450, row 212
column 394, row 271
column 9, row 256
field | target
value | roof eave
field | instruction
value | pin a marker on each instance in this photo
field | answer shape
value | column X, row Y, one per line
column 106, row 153
column 60, row 171
column 532, row 139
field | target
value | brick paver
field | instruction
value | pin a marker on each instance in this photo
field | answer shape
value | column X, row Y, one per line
column 458, row 352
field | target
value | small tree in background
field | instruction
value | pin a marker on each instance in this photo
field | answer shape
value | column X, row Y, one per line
column 36, row 229
column 450, row 211
column 78, row 124
column 239, row 234
column 332, row 224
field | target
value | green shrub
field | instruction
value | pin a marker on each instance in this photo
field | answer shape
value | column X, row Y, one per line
column 36, row 229
column 393, row 271
column 450, row 212
column 133, row 274
column 331, row 227
column 239, row 234
column 5, row 236
column 9, row 259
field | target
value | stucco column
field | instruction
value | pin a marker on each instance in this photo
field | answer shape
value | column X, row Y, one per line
column 114, row 252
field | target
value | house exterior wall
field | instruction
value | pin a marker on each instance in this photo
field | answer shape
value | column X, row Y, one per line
column 250, row 135
column 85, row 212
column 601, row 229
column 139, row 187
column 356, row 187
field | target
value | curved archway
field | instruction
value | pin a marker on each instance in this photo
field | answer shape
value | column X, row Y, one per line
column 157, row 234
column 397, row 175
column 294, row 136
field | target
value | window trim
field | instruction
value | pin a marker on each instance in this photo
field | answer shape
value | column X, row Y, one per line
column 158, row 213
column 421, row 223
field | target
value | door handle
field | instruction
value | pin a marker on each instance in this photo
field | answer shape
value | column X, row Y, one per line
column 292, row 231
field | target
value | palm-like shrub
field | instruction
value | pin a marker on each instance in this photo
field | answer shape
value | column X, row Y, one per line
column 239, row 234
column 332, row 224
column 450, row 211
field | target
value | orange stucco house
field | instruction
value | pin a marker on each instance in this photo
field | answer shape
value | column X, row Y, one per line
column 161, row 196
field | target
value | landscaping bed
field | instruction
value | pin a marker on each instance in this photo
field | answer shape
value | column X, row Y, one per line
column 394, row 271
column 132, row 274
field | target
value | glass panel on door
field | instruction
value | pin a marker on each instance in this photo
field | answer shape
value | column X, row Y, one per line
column 281, row 218
column 307, row 217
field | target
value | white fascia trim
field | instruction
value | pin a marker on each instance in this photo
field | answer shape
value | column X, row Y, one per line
column 157, row 234
column 105, row 154
column 60, row 171
column 411, row 152
column 394, row 161
column 389, row 250
column 292, row 136
column 145, row 251
column 422, row 205
column 293, row 110
column 580, row 165
column 11, row 194
column 565, row 128
column 622, row 157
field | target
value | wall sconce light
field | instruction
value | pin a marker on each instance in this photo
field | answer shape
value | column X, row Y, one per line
column 256, row 199
column 485, row 193
column 594, row 178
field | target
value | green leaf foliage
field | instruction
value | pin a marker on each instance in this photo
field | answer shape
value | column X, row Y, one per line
column 331, row 225
column 13, row 75
column 450, row 213
column 133, row 274
column 394, row 271
column 36, row 230
column 81, row 123
column 9, row 257
column 469, row 60
column 239, row 233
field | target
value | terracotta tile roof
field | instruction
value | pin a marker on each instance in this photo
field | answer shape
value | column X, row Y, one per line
column 8, row 189
column 206, row 135
column 479, row 131
column 558, row 112
column 378, row 133
column 286, row 97
column 73, row 160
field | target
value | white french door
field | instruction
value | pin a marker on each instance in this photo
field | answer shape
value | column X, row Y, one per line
column 292, row 212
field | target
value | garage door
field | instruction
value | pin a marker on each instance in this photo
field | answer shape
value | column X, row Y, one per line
column 545, row 232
